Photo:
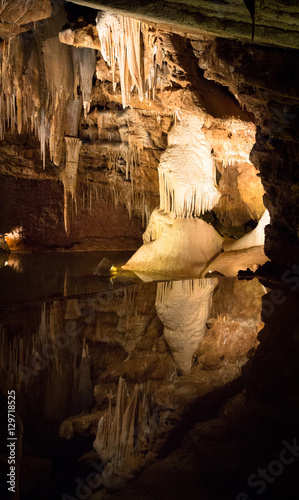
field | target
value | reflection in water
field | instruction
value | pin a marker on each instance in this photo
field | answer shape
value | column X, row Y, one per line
column 56, row 275
column 124, row 435
column 113, row 353
column 52, row 356
column 184, row 308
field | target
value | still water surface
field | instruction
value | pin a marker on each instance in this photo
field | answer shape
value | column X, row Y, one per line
column 110, row 374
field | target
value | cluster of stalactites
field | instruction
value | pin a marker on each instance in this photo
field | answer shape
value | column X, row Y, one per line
column 39, row 88
column 136, row 49
column 187, row 173
column 121, row 435
column 19, row 98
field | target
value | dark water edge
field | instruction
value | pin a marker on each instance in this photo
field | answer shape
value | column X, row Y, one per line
column 43, row 276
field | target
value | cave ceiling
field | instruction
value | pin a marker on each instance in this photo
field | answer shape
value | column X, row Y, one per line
column 275, row 23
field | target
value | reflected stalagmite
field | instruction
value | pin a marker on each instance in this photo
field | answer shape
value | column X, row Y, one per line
column 184, row 308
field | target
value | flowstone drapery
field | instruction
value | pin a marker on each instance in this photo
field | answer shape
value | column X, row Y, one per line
column 176, row 241
column 187, row 173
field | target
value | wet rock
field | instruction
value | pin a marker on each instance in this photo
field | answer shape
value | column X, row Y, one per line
column 4, row 248
column 104, row 267
column 80, row 425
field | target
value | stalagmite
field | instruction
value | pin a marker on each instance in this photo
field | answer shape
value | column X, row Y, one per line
column 256, row 237
column 184, row 308
column 69, row 176
column 176, row 241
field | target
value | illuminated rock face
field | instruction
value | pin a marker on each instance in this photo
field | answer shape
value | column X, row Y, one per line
column 170, row 74
column 182, row 249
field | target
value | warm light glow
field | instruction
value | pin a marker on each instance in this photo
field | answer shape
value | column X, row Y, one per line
column 13, row 237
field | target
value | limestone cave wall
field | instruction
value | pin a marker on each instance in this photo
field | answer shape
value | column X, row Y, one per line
column 55, row 84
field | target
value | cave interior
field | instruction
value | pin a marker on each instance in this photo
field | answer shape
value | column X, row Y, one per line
column 149, row 248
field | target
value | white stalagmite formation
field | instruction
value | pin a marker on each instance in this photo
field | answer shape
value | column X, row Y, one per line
column 137, row 51
column 255, row 238
column 69, row 176
column 183, row 249
column 122, row 434
column 176, row 241
column 156, row 226
column 184, row 308
column 187, row 174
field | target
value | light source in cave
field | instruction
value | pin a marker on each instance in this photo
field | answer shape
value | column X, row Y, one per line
column 137, row 50
column 176, row 241
column 184, row 308
column 13, row 237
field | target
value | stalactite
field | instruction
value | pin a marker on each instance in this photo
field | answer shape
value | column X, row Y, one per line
column 87, row 66
column 85, row 386
column 73, row 111
column 69, row 176
column 36, row 89
column 136, row 49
